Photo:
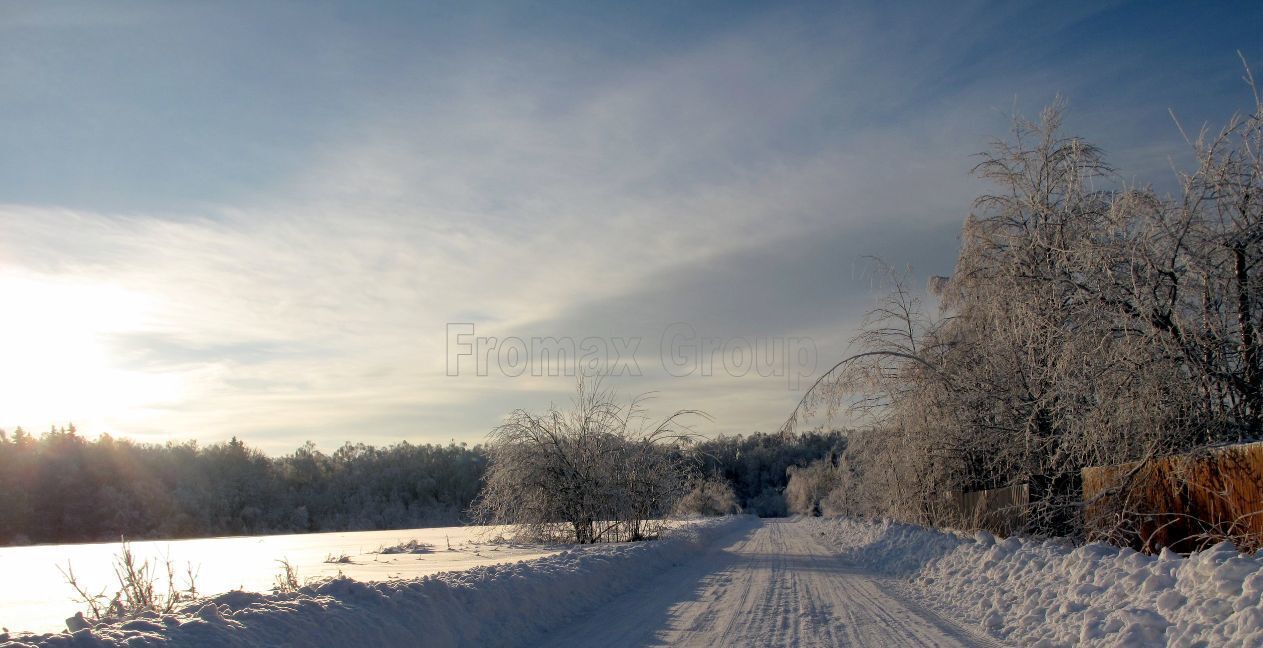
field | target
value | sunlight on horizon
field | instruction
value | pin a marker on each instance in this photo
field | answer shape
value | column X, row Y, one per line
column 58, row 367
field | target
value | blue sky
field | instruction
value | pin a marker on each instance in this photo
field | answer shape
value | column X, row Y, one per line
column 256, row 219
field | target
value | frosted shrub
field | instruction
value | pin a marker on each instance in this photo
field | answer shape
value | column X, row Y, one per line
column 712, row 496
column 599, row 471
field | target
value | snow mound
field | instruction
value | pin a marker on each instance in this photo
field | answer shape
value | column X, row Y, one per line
column 496, row 605
column 1049, row 593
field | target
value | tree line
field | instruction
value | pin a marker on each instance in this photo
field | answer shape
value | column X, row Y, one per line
column 63, row 487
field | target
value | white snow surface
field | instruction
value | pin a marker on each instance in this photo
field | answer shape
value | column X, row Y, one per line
column 494, row 605
column 740, row 582
column 1049, row 593
column 43, row 600
column 777, row 584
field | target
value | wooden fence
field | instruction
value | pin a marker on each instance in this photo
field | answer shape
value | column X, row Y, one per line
column 1184, row 502
column 1001, row 511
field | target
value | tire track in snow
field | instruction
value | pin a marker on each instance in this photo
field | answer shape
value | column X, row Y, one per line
column 770, row 585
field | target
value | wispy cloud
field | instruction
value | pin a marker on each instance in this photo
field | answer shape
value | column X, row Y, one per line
column 541, row 183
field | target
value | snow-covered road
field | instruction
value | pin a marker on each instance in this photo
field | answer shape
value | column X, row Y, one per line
column 770, row 585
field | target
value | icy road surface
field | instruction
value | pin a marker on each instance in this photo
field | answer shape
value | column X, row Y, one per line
column 775, row 585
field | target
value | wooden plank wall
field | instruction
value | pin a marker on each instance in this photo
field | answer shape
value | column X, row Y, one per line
column 1001, row 511
column 1184, row 502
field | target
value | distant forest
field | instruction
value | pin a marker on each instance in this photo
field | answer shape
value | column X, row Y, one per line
column 756, row 465
column 62, row 487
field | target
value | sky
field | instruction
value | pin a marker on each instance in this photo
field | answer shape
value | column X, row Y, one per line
column 292, row 221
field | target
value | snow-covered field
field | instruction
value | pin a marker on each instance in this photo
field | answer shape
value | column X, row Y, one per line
column 1047, row 593
column 490, row 605
column 34, row 597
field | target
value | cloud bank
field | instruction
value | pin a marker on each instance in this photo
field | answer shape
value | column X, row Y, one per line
column 280, row 263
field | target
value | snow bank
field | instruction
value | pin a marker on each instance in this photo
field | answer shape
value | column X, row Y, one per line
column 497, row 605
column 1048, row 593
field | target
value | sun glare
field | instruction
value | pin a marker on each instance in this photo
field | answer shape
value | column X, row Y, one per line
column 55, row 363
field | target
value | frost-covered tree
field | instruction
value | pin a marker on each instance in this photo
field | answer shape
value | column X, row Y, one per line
column 598, row 471
column 1086, row 323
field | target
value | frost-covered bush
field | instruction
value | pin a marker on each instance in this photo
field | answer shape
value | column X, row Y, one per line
column 712, row 496
column 809, row 486
column 596, row 472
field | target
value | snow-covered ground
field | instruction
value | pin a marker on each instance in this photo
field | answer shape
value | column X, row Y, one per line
column 34, row 597
column 776, row 584
column 741, row 581
column 493, row 605
column 1047, row 593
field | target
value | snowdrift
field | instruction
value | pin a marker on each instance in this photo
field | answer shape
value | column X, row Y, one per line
column 497, row 605
column 1048, row 593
